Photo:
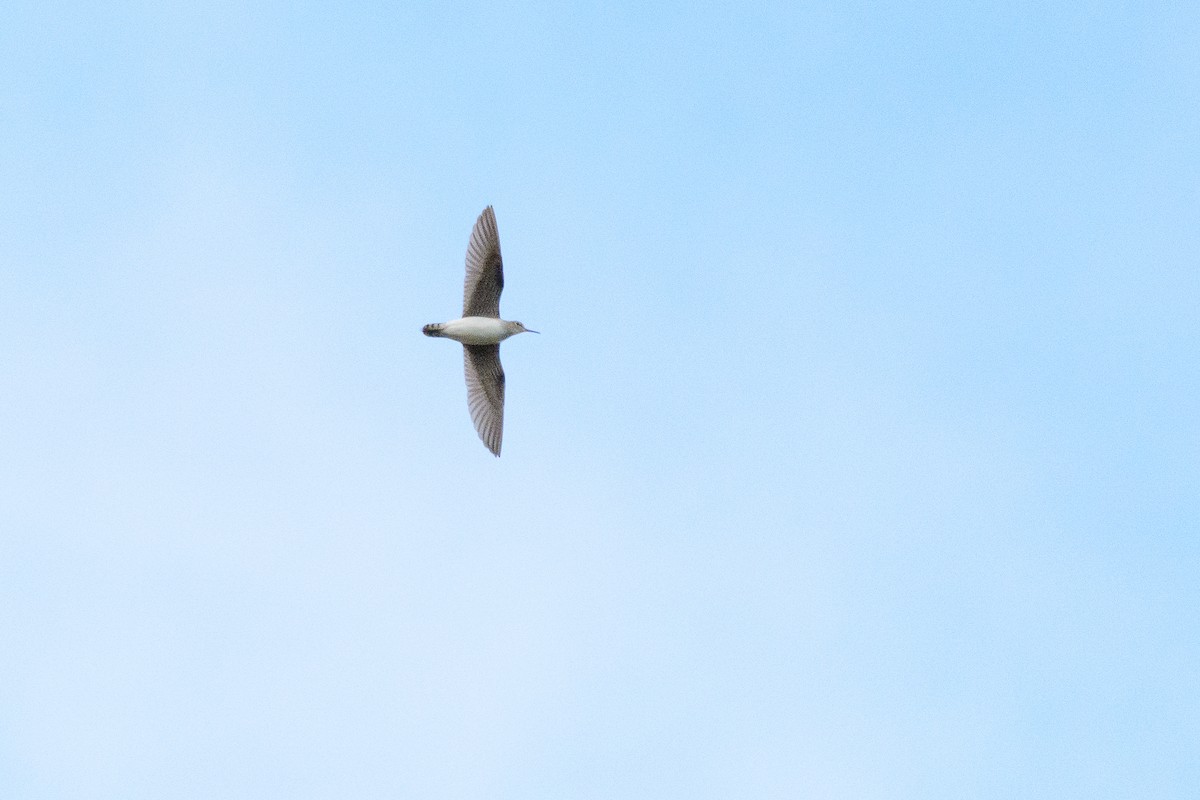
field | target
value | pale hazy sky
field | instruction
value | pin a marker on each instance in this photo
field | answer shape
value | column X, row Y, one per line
column 859, row 456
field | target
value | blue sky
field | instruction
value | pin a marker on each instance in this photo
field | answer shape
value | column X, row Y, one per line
column 858, row 457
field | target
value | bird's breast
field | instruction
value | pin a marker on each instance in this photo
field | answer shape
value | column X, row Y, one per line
column 476, row 330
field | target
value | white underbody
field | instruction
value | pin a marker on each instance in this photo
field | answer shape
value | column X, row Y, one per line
column 477, row 330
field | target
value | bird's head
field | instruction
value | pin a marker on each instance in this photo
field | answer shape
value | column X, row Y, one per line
column 517, row 327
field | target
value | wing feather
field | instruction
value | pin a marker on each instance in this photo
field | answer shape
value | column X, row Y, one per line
column 485, row 392
column 485, row 269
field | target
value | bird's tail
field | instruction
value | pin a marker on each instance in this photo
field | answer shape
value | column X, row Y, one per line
column 433, row 329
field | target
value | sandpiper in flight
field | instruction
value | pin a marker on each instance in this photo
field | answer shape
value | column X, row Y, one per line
column 481, row 331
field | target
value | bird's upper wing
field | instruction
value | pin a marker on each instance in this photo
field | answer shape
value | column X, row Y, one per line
column 485, row 392
column 485, row 269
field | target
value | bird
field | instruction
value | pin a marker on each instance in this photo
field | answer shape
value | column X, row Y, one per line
column 480, row 331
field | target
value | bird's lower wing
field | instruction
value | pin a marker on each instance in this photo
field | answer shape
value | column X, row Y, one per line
column 485, row 392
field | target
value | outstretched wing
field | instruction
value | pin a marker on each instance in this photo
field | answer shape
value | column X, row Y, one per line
column 485, row 392
column 485, row 269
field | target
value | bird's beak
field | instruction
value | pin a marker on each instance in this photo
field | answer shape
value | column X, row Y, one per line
column 529, row 331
